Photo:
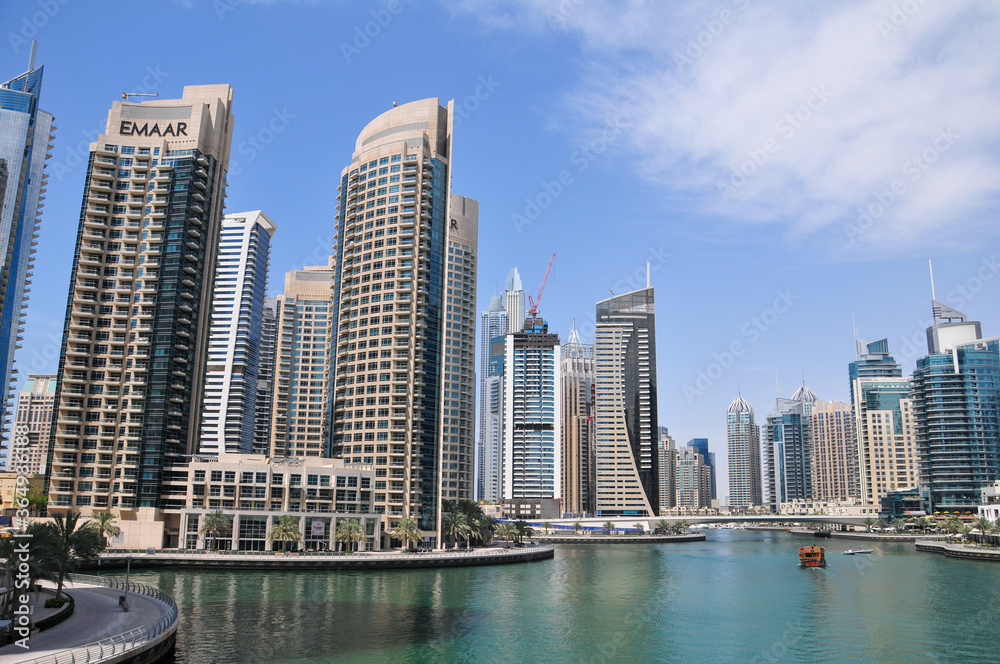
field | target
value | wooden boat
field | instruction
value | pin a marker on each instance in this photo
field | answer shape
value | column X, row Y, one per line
column 812, row 556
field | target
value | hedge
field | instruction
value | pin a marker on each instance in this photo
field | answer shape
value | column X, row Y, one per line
column 54, row 620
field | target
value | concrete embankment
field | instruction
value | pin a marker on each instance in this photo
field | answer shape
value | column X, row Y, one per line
column 621, row 539
column 959, row 551
column 325, row 561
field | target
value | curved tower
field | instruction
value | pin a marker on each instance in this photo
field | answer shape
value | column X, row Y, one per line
column 405, row 307
column 743, row 438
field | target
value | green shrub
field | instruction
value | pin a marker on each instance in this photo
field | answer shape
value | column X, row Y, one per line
column 53, row 603
column 52, row 621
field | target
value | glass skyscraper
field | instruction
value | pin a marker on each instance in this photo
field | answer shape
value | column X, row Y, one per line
column 492, row 324
column 625, row 406
column 956, row 401
column 788, row 450
column 26, row 134
column 743, row 439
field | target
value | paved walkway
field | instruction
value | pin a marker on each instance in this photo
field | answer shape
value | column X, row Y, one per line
column 97, row 616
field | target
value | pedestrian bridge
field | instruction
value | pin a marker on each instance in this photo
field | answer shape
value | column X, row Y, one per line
column 628, row 523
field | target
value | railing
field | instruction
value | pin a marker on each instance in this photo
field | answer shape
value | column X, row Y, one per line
column 106, row 649
column 353, row 556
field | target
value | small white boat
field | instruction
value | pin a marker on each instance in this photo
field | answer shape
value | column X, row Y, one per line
column 851, row 552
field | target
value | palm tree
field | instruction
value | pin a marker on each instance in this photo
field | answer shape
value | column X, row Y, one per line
column 350, row 531
column 484, row 526
column 406, row 529
column 985, row 526
column 217, row 524
column 285, row 529
column 639, row 528
column 882, row 524
column 507, row 531
column 966, row 531
column 523, row 530
column 869, row 522
column 39, row 566
column 546, row 525
column 663, row 526
column 66, row 545
column 577, row 527
column 104, row 524
column 609, row 527
column 682, row 526
column 899, row 525
column 456, row 525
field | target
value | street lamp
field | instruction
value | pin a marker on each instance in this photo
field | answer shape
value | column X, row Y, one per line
column 128, row 571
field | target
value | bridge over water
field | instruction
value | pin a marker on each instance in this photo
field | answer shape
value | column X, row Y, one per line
column 624, row 523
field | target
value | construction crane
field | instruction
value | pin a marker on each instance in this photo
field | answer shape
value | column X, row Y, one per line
column 533, row 309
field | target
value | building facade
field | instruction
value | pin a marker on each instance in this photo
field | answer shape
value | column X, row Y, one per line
column 787, row 454
column 956, row 405
column 885, row 437
column 405, row 308
column 234, row 345
column 266, row 357
column 692, row 479
column 135, row 343
column 532, row 456
column 26, row 134
column 578, row 442
column 33, row 415
column 300, row 417
column 709, row 458
column 514, row 301
column 492, row 324
column 667, row 468
column 625, row 406
column 834, row 452
column 255, row 491
column 743, row 441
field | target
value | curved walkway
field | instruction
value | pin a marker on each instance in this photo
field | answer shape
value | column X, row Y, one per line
column 960, row 551
column 97, row 616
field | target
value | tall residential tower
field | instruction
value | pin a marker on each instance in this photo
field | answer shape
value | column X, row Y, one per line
column 137, row 319
column 235, row 338
column 743, row 439
column 405, row 315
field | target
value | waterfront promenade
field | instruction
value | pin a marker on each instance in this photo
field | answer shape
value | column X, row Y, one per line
column 620, row 539
column 325, row 560
column 954, row 550
column 99, row 630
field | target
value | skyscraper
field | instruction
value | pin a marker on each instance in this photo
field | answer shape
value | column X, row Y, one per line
column 26, row 134
column 834, row 452
column 692, row 479
column 265, row 377
column 709, row 459
column 881, row 416
column 667, row 458
column 405, row 308
column 577, row 376
column 493, row 324
column 743, row 439
column 532, row 455
column 514, row 301
column 956, row 404
column 788, row 450
column 234, row 339
column 303, row 333
column 137, row 318
column 35, row 405
column 493, row 408
column 625, row 406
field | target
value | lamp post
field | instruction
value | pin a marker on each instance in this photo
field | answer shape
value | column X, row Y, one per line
column 128, row 571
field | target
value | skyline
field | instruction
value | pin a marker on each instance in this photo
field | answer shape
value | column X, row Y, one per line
column 882, row 280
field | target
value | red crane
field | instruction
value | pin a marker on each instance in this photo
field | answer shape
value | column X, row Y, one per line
column 533, row 309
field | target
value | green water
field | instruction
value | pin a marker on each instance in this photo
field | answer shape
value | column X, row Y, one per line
column 739, row 597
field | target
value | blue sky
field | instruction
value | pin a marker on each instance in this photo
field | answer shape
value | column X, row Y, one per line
column 780, row 166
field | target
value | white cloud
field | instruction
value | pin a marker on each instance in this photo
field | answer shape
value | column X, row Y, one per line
column 705, row 92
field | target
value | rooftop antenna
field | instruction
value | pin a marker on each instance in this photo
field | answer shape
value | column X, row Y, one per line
column 647, row 275
column 857, row 344
column 31, row 58
column 931, row 266
column 612, row 293
column 126, row 95
column 777, row 385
